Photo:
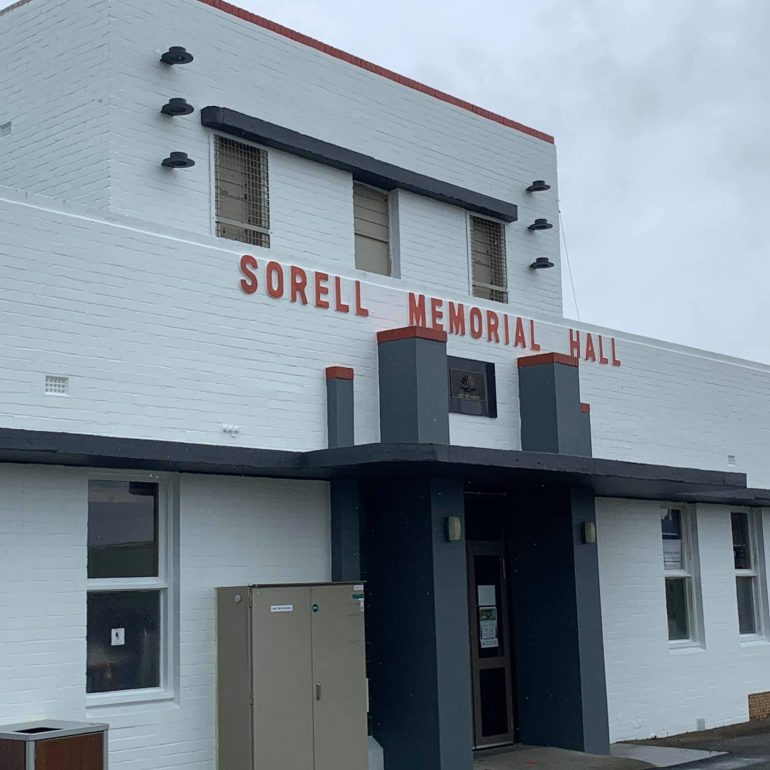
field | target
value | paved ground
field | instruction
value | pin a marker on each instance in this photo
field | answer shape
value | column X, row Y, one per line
column 534, row 758
column 748, row 745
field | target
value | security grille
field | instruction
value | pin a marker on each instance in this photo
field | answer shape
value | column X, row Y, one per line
column 5, row 129
column 57, row 386
column 489, row 272
column 242, row 201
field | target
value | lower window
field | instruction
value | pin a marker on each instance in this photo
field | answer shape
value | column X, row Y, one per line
column 748, row 559
column 129, row 599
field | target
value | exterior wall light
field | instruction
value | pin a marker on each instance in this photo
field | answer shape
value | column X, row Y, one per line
column 177, row 106
column 178, row 160
column 540, row 263
column 540, row 224
column 176, row 55
column 454, row 529
column 538, row 186
column 588, row 532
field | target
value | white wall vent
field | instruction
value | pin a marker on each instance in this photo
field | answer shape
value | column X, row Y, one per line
column 56, row 385
column 5, row 129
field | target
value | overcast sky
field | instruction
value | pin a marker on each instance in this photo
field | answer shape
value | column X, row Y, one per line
column 659, row 109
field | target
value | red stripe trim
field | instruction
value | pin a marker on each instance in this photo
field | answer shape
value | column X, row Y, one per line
column 339, row 373
column 298, row 37
column 547, row 358
column 411, row 332
column 585, row 408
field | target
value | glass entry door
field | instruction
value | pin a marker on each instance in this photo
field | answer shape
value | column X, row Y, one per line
column 490, row 645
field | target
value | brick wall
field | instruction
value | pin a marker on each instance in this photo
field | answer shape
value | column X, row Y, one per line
column 654, row 690
column 54, row 90
column 232, row 531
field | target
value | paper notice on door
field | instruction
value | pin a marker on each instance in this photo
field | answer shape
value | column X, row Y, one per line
column 281, row 608
column 488, row 627
column 487, row 596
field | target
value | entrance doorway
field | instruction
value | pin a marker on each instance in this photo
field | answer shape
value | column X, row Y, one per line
column 491, row 669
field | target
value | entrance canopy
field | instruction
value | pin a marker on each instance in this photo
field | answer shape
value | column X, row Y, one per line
column 606, row 478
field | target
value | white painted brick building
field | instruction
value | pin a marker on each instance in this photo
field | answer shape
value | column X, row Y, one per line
column 181, row 370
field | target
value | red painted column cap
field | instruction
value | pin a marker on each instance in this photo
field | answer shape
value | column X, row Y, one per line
column 411, row 332
column 339, row 373
column 548, row 358
column 585, row 408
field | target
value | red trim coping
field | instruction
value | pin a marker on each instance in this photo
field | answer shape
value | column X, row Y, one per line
column 339, row 373
column 411, row 332
column 298, row 37
column 548, row 358
column 585, row 408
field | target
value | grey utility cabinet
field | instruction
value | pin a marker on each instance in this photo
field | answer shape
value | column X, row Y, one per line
column 292, row 677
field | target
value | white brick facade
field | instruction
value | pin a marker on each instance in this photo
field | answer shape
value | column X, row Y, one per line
column 111, row 276
column 231, row 531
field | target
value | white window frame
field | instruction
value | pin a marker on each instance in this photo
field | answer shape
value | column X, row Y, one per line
column 757, row 573
column 213, row 190
column 167, row 583
column 690, row 573
column 469, row 236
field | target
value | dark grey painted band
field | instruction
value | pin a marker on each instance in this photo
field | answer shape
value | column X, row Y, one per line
column 363, row 167
column 608, row 478
column 339, row 412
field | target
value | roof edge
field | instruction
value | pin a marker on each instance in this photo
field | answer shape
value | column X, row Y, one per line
column 13, row 6
column 337, row 53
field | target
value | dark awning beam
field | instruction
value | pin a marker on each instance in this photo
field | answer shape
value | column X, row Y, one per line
column 364, row 168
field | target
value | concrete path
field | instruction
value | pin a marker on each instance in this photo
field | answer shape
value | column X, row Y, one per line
column 526, row 758
column 661, row 756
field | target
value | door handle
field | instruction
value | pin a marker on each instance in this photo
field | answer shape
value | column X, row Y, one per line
column 317, row 691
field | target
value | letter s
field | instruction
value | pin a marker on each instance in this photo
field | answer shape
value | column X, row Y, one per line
column 249, row 281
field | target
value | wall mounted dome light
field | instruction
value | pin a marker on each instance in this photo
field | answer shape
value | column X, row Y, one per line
column 541, row 263
column 538, row 186
column 540, row 224
column 176, row 55
column 178, row 160
column 177, row 106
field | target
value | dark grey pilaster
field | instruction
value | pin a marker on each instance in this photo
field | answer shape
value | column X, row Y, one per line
column 339, row 406
column 414, row 391
column 549, row 405
column 345, row 529
column 558, row 644
column 417, row 619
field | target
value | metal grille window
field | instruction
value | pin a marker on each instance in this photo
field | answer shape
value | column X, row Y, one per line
column 488, row 263
column 747, row 561
column 242, row 199
column 677, row 530
column 372, row 229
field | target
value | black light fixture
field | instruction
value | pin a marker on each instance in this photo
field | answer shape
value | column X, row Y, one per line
column 538, row 186
column 178, row 160
column 177, row 55
column 541, row 263
column 540, row 224
column 177, row 106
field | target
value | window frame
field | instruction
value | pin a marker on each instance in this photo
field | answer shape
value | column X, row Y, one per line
column 214, row 220
column 167, row 583
column 391, row 207
column 756, row 573
column 470, row 216
column 690, row 573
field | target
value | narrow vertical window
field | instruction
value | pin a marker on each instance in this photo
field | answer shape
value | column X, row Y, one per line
column 241, row 192
column 489, row 272
column 372, row 229
column 747, row 563
column 128, row 586
column 678, row 564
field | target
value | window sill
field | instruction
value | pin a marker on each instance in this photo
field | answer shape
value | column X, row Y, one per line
column 154, row 695
column 685, row 648
column 753, row 641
